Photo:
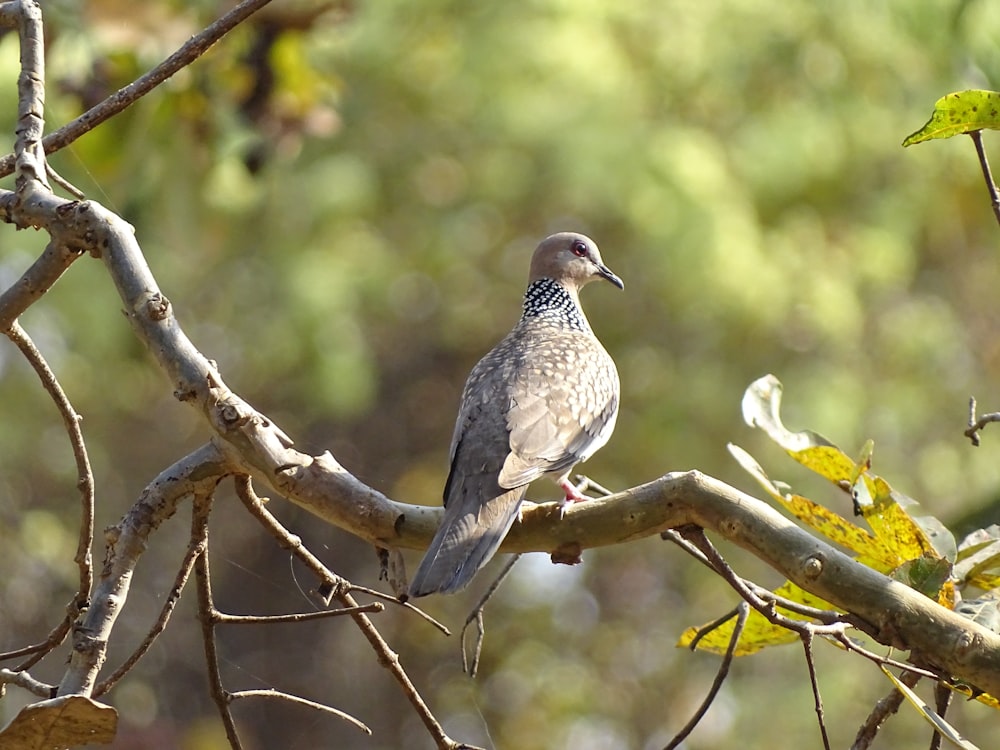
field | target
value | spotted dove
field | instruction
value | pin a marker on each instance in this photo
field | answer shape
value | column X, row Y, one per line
column 545, row 398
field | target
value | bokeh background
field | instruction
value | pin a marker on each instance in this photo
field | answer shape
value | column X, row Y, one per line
column 340, row 201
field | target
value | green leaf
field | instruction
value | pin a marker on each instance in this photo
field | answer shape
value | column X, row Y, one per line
column 925, row 574
column 960, row 112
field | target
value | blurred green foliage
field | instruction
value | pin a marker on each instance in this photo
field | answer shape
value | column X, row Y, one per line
column 341, row 206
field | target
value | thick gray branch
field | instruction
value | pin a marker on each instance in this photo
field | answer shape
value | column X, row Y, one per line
column 321, row 485
column 196, row 474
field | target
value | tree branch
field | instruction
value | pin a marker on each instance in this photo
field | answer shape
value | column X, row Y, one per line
column 741, row 613
column 991, row 187
column 902, row 617
column 196, row 545
column 197, row 474
column 206, row 606
column 190, row 51
column 85, row 476
column 248, row 441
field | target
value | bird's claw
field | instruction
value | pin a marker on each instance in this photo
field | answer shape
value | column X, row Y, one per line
column 573, row 495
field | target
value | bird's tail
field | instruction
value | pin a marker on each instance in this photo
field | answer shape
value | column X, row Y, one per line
column 466, row 540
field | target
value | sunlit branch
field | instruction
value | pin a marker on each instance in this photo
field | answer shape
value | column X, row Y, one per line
column 190, row 51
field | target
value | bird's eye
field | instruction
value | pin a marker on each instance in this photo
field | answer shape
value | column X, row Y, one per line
column 580, row 249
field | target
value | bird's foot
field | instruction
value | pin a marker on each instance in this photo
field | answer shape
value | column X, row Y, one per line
column 573, row 495
column 574, row 492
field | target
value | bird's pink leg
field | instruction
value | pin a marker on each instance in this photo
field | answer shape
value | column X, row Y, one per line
column 573, row 495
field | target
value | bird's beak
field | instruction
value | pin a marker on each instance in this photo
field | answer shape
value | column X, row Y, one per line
column 606, row 273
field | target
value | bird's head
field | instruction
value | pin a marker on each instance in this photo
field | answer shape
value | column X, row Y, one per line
column 572, row 260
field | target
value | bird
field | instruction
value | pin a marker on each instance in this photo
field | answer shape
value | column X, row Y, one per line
column 542, row 400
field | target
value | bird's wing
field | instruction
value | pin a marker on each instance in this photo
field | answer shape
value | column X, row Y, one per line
column 563, row 407
column 516, row 422
column 477, row 517
column 478, row 511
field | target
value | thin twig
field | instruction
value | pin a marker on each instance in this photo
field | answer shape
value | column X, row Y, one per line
column 942, row 700
column 24, row 680
column 85, row 475
column 65, row 184
column 584, row 483
column 882, row 710
column 190, row 51
column 696, row 535
column 53, row 639
column 476, row 615
column 405, row 605
column 196, row 546
column 672, row 535
column 835, row 626
column 210, row 617
column 206, row 608
column 742, row 612
column 715, row 624
column 826, row 616
column 332, row 584
column 388, row 659
column 340, row 589
column 977, row 138
column 330, row 581
column 221, row 618
column 807, row 641
column 277, row 694
column 850, row 644
column 975, row 425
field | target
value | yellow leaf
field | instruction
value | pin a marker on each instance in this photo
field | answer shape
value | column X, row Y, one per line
column 828, row 461
column 897, row 537
column 890, row 523
column 839, row 530
column 758, row 632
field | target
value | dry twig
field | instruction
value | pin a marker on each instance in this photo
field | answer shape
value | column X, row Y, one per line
column 741, row 613
column 977, row 424
column 476, row 615
column 942, row 700
column 882, row 710
column 85, row 484
column 991, row 186
column 807, row 641
column 340, row 589
column 196, row 546
column 190, row 51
